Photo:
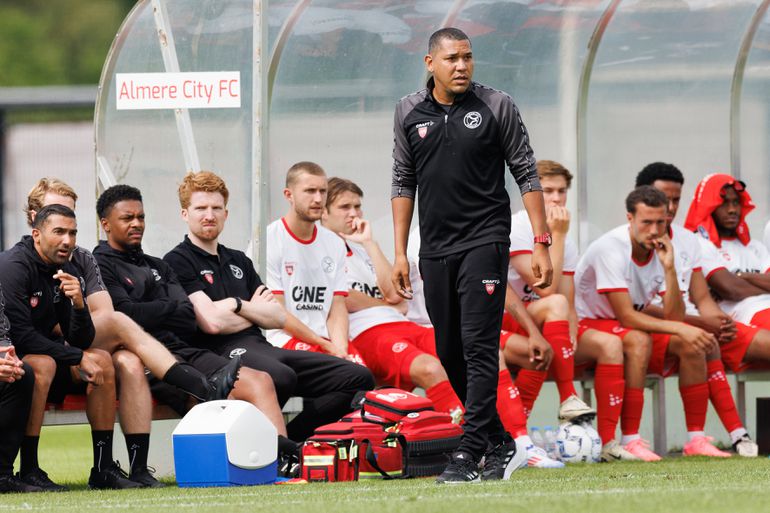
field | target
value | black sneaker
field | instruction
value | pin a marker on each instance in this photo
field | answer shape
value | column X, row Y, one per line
column 288, row 465
column 12, row 484
column 40, row 479
column 110, row 478
column 462, row 468
column 223, row 380
column 145, row 478
column 502, row 460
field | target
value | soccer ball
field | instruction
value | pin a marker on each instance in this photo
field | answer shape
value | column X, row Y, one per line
column 578, row 443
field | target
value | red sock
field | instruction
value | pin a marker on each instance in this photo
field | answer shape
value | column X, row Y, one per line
column 563, row 363
column 696, row 401
column 609, row 398
column 631, row 413
column 444, row 398
column 529, row 383
column 509, row 406
column 721, row 396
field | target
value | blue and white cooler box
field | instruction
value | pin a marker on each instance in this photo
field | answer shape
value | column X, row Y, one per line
column 225, row 443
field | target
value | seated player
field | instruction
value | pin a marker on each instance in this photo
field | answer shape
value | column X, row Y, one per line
column 117, row 334
column 397, row 351
column 231, row 304
column 16, row 382
column 53, row 331
column 553, row 308
column 737, row 340
column 147, row 290
column 617, row 277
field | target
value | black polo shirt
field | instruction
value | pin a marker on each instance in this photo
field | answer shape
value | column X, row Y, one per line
column 229, row 273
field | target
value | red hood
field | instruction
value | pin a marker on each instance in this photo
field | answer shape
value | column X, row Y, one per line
column 708, row 198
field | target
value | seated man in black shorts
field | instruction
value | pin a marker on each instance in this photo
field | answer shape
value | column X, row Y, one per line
column 147, row 290
column 231, row 304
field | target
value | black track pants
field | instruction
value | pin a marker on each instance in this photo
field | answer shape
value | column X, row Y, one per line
column 465, row 297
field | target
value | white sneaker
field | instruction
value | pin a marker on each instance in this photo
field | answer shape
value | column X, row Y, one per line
column 574, row 407
column 746, row 447
column 538, row 458
column 613, row 451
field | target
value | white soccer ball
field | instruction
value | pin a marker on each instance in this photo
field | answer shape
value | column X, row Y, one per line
column 578, row 443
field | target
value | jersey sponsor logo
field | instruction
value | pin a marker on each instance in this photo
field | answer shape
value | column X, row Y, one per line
column 529, row 295
column 238, row 351
column 327, row 264
column 289, row 266
column 367, row 289
column 490, row 285
column 57, row 294
column 472, row 120
column 422, row 128
column 399, row 347
column 155, row 274
column 237, row 271
column 208, row 275
column 308, row 298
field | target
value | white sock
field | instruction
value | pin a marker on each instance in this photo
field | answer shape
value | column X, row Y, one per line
column 524, row 441
column 737, row 434
column 629, row 438
column 694, row 434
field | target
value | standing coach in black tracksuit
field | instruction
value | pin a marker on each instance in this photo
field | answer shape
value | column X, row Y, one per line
column 452, row 141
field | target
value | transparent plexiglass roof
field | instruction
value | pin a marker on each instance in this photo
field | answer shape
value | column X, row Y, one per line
column 604, row 86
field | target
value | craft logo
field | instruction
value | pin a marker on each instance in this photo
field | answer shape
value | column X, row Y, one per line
column 490, row 285
column 208, row 275
column 422, row 128
column 237, row 271
column 302, row 346
column 472, row 120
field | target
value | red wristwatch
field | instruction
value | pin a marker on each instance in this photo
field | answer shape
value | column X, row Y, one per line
column 544, row 238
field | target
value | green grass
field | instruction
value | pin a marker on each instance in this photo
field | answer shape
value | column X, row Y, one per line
column 675, row 484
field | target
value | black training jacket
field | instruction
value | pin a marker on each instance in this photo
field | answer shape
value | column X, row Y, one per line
column 146, row 289
column 455, row 161
column 35, row 306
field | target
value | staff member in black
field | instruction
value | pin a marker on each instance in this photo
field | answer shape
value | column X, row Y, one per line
column 146, row 289
column 452, row 141
column 50, row 321
column 16, row 382
column 231, row 304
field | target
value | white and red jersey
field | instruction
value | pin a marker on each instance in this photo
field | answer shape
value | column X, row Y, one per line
column 308, row 273
column 361, row 276
column 522, row 243
column 607, row 266
column 735, row 257
column 687, row 259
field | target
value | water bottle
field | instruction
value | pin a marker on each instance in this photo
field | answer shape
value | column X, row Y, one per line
column 550, row 446
column 537, row 437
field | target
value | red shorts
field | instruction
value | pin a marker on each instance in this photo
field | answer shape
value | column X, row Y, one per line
column 389, row 350
column 734, row 351
column 510, row 324
column 298, row 345
column 659, row 362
